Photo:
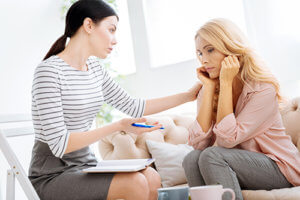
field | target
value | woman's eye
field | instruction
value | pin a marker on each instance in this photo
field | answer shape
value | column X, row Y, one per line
column 210, row 50
column 199, row 53
column 112, row 30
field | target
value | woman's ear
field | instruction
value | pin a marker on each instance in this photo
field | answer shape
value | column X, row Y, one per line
column 88, row 25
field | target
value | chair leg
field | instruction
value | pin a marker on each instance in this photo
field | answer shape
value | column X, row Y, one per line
column 10, row 185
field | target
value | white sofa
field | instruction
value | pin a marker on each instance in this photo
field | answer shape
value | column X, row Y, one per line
column 122, row 145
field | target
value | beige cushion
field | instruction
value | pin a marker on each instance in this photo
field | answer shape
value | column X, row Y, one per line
column 290, row 113
column 276, row 194
column 121, row 145
column 168, row 161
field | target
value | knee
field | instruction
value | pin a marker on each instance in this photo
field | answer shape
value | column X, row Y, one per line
column 153, row 182
column 191, row 160
column 208, row 155
column 153, row 178
column 129, row 186
column 138, row 184
column 140, row 180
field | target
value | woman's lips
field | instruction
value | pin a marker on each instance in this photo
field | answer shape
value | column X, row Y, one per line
column 208, row 69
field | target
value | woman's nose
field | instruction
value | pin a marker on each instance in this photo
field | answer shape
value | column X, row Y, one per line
column 114, row 41
column 204, row 59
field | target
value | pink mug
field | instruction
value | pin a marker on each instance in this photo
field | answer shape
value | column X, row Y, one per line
column 211, row 192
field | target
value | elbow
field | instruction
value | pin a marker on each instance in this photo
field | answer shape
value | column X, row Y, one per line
column 199, row 145
column 226, row 143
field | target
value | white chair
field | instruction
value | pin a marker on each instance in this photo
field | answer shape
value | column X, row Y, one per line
column 16, row 170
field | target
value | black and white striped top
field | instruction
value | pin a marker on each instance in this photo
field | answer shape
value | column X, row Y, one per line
column 66, row 100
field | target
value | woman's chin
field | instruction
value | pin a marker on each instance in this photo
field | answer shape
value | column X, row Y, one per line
column 213, row 76
column 102, row 56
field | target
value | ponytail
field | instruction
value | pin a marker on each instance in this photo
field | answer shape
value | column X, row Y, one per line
column 81, row 9
column 57, row 47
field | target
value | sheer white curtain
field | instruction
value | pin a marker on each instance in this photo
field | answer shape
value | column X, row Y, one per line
column 274, row 29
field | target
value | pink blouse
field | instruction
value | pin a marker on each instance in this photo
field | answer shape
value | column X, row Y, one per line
column 255, row 126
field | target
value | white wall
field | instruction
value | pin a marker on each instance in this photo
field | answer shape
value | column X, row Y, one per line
column 28, row 29
column 274, row 31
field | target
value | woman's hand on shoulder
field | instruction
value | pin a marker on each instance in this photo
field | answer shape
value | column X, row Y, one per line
column 193, row 92
column 126, row 125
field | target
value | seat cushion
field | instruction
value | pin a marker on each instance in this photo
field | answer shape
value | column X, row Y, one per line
column 276, row 194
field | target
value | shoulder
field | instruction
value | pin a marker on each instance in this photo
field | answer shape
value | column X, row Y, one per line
column 49, row 66
column 49, row 70
column 260, row 93
column 258, row 87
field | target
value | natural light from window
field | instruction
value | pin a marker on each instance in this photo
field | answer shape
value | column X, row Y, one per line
column 172, row 24
column 122, row 57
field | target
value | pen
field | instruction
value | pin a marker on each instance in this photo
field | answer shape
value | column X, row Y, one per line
column 144, row 126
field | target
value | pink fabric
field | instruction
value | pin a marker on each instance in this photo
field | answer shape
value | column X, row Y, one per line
column 255, row 126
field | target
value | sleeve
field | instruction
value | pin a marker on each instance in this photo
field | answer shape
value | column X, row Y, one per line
column 197, row 137
column 254, row 119
column 47, row 112
column 115, row 96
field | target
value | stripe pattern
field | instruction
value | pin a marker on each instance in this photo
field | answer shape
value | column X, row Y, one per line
column 66, row 100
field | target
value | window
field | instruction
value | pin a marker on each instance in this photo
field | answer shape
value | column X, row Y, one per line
column 122, row 58
column 172, row 24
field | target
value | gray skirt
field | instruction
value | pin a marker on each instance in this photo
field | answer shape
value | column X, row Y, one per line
column 73, row 184
column 62, row 178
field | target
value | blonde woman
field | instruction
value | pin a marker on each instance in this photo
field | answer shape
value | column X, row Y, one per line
column 238, row 111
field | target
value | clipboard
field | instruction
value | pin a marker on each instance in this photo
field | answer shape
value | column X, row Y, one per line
column 126, row 165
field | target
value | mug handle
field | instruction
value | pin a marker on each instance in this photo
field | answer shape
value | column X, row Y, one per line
column 231, row 191
column 162, row 196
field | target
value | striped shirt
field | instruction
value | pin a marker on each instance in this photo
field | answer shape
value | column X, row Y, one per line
column 66, row 100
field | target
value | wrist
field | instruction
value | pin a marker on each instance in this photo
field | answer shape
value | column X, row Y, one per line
column 118, row 125
column 209, row 89
column 188, row 96
column 226, row 83
column 185, row 97
column 211, row 85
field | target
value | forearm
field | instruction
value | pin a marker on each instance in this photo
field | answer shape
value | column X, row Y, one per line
column 204, row 116
column 225, row 104
column 78, row 140
column 164, row 103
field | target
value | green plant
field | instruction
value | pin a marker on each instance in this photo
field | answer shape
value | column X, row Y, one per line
column 104, row 116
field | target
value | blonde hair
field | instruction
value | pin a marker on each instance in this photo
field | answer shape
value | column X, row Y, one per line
column 226, row 37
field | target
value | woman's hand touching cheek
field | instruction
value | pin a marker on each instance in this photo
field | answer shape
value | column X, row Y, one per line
column 230, row 68
column 203, row 76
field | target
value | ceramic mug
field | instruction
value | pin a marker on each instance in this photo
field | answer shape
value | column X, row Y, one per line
column 173, row 193
column 211, row 192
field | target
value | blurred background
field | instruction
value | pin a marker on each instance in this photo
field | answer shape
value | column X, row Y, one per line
column 155, row 54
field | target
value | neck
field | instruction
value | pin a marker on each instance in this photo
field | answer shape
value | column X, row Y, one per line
column 76, row 52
